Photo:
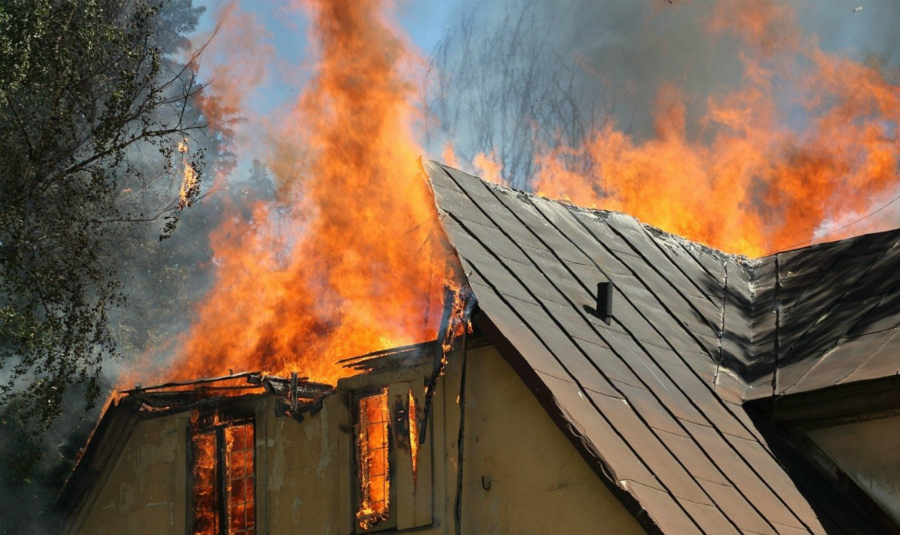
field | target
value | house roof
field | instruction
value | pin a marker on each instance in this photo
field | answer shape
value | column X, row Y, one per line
column 838, row 314
column 654, row 399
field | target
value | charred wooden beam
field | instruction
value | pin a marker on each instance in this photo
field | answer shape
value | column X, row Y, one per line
column 183, row 394
column 457, row 307
column 194, row 382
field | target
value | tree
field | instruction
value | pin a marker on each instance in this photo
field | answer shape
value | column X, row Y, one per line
column 498, row 87
column 93, row 106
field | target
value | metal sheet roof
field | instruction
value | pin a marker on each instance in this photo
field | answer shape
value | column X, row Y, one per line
column 654, row 398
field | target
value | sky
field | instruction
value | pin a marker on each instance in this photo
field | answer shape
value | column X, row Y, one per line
column 283, row 28
column 636, row 48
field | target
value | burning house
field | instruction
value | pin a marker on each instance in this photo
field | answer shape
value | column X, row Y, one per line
column 593, row 375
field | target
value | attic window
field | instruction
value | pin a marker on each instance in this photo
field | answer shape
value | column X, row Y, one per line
column 373, row 457
column 223, row 468
column 393, row 478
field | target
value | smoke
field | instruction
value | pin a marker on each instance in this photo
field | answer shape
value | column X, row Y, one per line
column 236, row 63
column 511, row 83
column 161, row 279
column 696, row 45
column 31, row 475
column 752, row 126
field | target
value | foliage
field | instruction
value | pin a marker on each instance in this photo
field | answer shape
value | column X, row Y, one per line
column 92, row 107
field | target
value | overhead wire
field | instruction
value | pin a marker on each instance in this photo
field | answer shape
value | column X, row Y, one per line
column 848, row 225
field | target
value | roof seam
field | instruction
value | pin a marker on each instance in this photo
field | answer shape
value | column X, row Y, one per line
column 588, row 398
column 722, row 325
column 660, row 302
column 863, row 363
column 545, row 274
column 597, row 332
column 695, row 257
column 656, row 270
column 837, row 302
column 840, row 338
column 712, row 392
column 714, row 427
column 578, row 383
column 691, row 280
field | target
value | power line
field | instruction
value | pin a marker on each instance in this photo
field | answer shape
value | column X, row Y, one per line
column 829, row 233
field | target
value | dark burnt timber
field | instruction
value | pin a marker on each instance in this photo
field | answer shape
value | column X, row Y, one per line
column 457, row 307
column 177, row 396
column 653, row 395
column 393, row 358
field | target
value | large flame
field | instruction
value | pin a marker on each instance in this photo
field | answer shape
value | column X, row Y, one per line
column 810, row 137
column 355, row 262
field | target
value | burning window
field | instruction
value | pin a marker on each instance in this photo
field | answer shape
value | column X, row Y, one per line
column 393, row 484
column 223, row 478
column 373, row 457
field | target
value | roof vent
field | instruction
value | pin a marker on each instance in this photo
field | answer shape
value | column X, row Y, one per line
column 604, row 301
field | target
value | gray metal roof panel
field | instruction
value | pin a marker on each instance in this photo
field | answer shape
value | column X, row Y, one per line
column 617, row 456
column 669, row 515
column 751, row 485
column 883, row 316
column 747, row 519
column 841, row 361
column 709, row 517
column 650, row 375
column 883, row 362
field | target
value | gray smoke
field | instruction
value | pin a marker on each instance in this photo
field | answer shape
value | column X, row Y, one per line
column 602, row 60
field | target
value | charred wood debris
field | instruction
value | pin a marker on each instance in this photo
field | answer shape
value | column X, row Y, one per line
column 299, row 395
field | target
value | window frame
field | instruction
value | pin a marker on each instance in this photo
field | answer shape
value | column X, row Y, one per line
column 411, row 505
column 356, row 488
column 216, row 421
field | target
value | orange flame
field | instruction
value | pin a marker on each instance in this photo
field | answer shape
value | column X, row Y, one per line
column 190, row 182
column 413, row 414
column 204, row 476
column 372, row 449
column 489, row 167
column 233, row 445
column 750, row 181
column 362, row 263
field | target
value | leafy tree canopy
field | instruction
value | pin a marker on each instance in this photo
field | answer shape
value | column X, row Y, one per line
column 93, row 106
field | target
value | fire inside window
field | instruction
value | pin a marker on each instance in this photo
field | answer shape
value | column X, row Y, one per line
column 387, row 456
column 373, row 455
column 223, row 480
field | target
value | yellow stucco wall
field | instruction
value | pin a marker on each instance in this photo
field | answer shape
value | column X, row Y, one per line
column 868, row 452
column 145, row 489
column 538, row 481
column 297, row 471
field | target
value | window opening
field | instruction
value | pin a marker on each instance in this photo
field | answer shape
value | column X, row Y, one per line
column 373, row 455
column 205, row 517
column 223, row 479
column 413, row 436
